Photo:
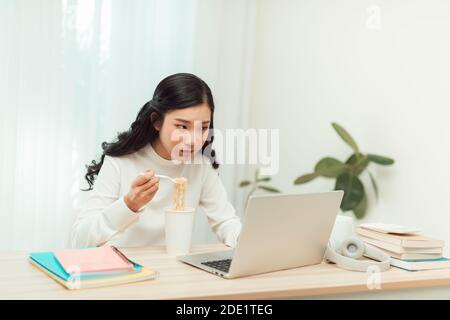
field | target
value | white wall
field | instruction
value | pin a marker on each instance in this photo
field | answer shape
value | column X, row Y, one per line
column 319, row 61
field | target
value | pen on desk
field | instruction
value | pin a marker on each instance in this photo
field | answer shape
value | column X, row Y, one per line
column 124, row 256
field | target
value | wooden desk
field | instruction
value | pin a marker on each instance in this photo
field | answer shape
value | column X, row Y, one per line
column 20, row 280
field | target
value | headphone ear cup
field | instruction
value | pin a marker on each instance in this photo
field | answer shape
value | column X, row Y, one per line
column 352, row 248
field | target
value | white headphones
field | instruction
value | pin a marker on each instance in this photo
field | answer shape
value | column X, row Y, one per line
column 349, row 252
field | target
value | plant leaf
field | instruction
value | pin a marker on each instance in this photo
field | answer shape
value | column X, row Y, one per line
column 358, row 163
column 305, row 178
column 353, row 190
column 361, row 209
column 269, row 189
column 345, row 136
column 353, row 158
column 244, row 183
column 330, row 167
column 264, row 179
column 384, row 161
column 374, row 184
column 361, row 165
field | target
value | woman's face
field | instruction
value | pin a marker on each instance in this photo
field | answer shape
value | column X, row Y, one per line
column 184, row 131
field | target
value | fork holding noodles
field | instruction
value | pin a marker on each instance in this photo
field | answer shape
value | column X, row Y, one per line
column 179, row 190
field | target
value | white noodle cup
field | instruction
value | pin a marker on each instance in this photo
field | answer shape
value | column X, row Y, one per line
column 178, row 229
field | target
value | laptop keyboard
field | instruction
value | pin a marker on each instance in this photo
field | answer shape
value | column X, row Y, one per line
column 222, row 265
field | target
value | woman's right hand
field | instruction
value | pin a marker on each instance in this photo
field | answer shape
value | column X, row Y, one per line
column 142, row 190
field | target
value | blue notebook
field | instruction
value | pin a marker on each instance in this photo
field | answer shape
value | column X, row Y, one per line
column 48, row 261
column 421, row 264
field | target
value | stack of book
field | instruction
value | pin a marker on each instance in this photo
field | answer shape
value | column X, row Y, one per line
column 91, row 267
column 408, row 249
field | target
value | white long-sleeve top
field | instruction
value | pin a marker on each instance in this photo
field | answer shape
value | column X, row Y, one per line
column 105, row 218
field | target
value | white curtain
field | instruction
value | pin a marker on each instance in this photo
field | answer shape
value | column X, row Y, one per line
column 75, row 72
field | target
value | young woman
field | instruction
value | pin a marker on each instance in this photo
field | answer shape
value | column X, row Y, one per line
column 172, row 135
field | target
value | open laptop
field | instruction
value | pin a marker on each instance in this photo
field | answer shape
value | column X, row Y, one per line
column 279, row 232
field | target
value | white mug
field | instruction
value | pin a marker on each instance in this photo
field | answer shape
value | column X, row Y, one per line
column 178, row 226
column 343, row 229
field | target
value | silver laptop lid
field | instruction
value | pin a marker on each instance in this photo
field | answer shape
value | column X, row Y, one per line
column 284, row 231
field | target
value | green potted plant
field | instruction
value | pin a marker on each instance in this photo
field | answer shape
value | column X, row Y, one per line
column 347, row 174
column 255, row 184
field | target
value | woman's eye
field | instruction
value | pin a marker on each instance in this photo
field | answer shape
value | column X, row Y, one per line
column 180, row 126
column 205, row 128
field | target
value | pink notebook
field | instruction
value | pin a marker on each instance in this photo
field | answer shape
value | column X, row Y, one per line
column 91, row 260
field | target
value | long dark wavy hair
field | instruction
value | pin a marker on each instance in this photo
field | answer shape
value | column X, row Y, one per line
column 178, row 91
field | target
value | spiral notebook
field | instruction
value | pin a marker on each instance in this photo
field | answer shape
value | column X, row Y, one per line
column 48, row 263
column 93, row 260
